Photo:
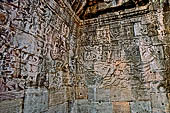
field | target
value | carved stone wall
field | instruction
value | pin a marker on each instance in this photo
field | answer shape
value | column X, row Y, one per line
column 53, row 62
column 37, row 46
column 123, row 60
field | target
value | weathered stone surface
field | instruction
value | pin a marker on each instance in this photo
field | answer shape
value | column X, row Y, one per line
column 84, row 106
column 92, row 93
column 11, row 106
column 103, row 107
column 160, row 103
column 121, row 107
column 11, row 95
column 56, row 97
column 121, row 94
column 81, row 93
column 60, row 108
column 103, row 95
column 141, row 107
column 115, row 60
column 36, row 100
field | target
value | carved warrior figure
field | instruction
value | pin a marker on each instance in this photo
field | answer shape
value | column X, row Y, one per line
column 113, row 74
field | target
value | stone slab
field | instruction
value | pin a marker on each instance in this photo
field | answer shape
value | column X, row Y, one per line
column 159, row 102
column 121, row 94
column 56, row 97
column 11, row 106
column 121, row 107
column 141, row 107
column 103, row 107
column 103, row 94
column 91, row 94
column 84, row 106
column 36, row 100
column 60, row 108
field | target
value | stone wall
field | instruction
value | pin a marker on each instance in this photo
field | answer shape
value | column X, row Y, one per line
column 37, row 44
column 123, row 59
column 52, row 62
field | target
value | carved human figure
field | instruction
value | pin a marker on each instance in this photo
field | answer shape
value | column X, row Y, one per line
column 113, row 74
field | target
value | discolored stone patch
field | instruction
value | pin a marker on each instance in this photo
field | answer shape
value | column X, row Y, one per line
column 121, row 107
column 3, row 18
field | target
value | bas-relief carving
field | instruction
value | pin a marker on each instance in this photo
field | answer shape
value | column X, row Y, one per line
column 107, row 59
column 92, row 53
column 113, row 74
column 151, row 57
column 34, row 47
column 103, row 34
column 114, row 32
column 59, row 47
column 131, row 58
column 166, row 22
column 81, row 87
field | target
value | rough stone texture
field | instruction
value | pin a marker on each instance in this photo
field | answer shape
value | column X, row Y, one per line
column 115, row 61
column 141, row 107
column 121, row 107
column 36, row 100
column 37, row 54
column 84, row 106
column 159, row 102
column 11, row 106
column 60, row 108
column 56, row 97
column 124, row 60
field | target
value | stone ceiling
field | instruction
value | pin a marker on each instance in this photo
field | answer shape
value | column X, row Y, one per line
column 86, row 9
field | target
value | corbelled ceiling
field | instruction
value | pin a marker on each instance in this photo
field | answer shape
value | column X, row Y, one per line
column 86, row 9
